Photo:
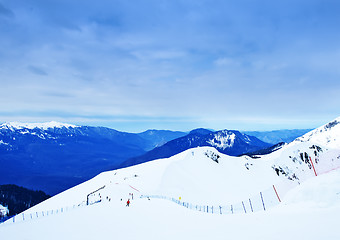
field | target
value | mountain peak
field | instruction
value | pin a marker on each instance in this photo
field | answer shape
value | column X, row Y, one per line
column 200, row 131
column 44, row 126
column 327, row 134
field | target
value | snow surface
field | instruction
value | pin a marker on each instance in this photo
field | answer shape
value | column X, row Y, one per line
column 300, row 216
column 44, row 126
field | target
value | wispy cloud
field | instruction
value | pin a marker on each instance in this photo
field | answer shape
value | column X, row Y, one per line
column 5, row 12
column 171, row 59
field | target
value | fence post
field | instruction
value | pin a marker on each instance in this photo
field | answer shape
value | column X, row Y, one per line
column 23, row 217
column 264, row 208
column 232, row 210
column 36, row 214
column 251, row 206
column 207, row 209
column 220, row 210
column 14, row 218
column 244, row 207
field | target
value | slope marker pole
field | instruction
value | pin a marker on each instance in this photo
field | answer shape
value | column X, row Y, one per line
column 251, row 206
column 276, row 193
column 244, row 207
column 264, row 208
column 313, row 166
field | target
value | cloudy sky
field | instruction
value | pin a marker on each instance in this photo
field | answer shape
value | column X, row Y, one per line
column 134, row 65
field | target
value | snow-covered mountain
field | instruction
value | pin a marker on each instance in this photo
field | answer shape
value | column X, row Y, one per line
column 55, row 156
column 328, row 134
column 316, row 152
column 44, row 126
column 203, row 180
column 229, row 142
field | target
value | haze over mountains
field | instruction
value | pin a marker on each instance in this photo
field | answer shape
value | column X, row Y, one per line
column 278, row 136
column 54, row 156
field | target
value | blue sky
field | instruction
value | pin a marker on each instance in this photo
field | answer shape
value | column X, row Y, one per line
column 136, row 65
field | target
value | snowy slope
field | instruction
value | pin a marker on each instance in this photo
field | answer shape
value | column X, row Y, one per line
column 329, row 135
column 310, row 211
column 193, row 175
column 314, row 153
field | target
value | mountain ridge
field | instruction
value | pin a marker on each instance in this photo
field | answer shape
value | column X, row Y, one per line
column 230, row 142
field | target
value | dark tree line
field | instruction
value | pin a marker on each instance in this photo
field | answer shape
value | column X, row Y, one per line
column 18, row 199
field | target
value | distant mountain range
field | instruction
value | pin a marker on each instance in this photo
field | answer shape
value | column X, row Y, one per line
column 54, row 156
column 229, row 142
column 278, row 136
column 156, row 138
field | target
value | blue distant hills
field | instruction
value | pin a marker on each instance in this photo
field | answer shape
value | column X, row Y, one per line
column 56, row 157
column 233, row 143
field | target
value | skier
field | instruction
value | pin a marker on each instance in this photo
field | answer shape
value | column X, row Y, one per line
column 128, row 203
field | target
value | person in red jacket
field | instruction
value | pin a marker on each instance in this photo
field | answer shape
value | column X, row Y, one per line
column 128, row 203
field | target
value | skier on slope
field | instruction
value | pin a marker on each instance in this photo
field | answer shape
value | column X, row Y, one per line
column 128, row 203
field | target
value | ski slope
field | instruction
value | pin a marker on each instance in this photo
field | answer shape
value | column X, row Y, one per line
column 300, row 216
